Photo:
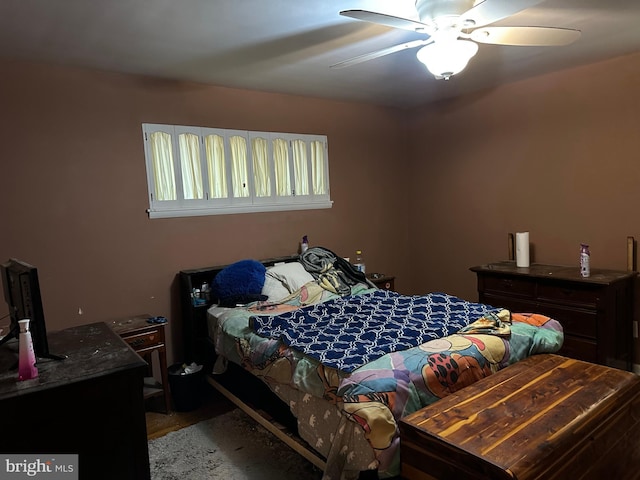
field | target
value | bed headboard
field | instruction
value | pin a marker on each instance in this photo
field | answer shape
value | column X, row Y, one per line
column 196, row 342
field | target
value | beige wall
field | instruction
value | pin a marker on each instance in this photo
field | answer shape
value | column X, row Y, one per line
column 556, row 155
column 426, row 193
column 73, row 192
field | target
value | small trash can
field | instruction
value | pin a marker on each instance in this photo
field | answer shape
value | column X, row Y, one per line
column 186, row 385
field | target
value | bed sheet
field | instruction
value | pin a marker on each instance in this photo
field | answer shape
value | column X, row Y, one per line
column 270, row 359
column 373, row 397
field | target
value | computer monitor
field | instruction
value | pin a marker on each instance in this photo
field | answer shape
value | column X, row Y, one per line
column 22, row 294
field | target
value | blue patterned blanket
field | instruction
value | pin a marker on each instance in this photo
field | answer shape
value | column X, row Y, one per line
column 348, row 332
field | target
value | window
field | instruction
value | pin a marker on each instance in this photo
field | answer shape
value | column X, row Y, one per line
column 208, row 171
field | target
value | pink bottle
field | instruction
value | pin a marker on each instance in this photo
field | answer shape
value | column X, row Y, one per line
column 26, row 356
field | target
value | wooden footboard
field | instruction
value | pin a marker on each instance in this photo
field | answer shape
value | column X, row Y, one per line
column 271, row 424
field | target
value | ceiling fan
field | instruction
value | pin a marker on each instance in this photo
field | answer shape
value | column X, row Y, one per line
column 452, row 28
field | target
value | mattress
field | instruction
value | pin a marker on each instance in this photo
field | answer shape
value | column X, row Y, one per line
column 351, row 417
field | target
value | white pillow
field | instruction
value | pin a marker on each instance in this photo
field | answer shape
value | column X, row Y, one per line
column 274, row 289
column 292, row 275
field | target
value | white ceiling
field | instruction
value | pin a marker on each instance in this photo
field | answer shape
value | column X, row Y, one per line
column 288, row 45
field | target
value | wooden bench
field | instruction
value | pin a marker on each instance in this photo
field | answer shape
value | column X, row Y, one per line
column 546, row 417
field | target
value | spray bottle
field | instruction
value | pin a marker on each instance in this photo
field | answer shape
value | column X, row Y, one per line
column 304, row 245
column 585, row 268
column 26, row 356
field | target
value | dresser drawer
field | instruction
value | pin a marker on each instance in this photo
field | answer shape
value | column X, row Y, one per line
column 520, row 287
column 570, row 294
column 579, row 348
column 574, row 321
column 141, row 341
column 514, row 304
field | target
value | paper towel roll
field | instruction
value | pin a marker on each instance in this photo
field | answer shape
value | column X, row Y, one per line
column 522, row 249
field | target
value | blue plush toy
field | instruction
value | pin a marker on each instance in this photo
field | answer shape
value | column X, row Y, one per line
column 239, row 283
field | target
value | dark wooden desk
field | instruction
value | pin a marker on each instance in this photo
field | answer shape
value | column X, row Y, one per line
column 90, row 404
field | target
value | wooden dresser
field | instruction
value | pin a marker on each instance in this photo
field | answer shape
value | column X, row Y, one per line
column 547, row 417
column 89, row 404
column 596, row 312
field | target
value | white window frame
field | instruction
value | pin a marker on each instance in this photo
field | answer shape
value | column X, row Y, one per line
column 182, row 207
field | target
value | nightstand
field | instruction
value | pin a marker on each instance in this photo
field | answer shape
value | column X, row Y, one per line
column 146, row 338
column 385, row 282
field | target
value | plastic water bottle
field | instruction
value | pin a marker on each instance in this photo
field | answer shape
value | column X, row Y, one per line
column 359, row 263
column 585, row 269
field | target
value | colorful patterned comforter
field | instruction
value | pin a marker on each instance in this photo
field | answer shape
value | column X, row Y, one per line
column 374, row 396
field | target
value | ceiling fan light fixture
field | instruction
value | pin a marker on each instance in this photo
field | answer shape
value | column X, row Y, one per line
column 445, row 59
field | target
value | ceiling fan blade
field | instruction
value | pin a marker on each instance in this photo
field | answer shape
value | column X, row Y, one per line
column 490, row 11
column 380, row 53
column 388, row 20
column 525, row 36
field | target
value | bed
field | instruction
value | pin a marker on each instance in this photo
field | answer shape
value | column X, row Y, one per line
column 349, row 360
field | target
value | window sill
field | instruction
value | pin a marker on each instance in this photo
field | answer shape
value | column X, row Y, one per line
column 229, row 210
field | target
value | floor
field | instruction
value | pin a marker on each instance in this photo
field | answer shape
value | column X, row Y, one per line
column 213, row 404
column 159, row 424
